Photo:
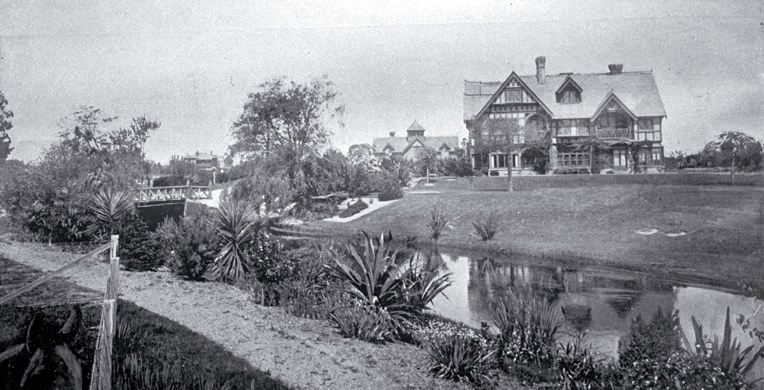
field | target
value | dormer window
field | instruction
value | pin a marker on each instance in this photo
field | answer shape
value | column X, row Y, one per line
column 569, row 92
column 569, row 96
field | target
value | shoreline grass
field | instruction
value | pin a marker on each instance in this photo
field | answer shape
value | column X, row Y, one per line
column 593, row 220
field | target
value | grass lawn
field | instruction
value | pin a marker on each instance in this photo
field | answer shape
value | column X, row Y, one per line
column 594, row 218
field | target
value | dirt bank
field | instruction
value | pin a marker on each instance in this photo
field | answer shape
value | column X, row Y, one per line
column 305, row 354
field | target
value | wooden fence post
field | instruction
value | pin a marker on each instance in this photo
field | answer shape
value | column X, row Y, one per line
column 102, row 361
column 101, row 374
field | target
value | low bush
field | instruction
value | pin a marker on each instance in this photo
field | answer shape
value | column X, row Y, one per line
column 302, row 299
column 459, row 358
column 655, row 340
column 435, row 330
column 354, row 209
column 315, row 210
column 138, row 250
column 390, row 190
column 189, row 246
column 682, row 371
column 578, row 368
column 270, row 263
column 459, row 167
column 368, row 323
column 488, row 228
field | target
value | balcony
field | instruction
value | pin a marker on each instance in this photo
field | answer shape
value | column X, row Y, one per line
column 613, row 133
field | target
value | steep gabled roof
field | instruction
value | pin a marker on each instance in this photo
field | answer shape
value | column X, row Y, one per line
column 503, row 86
column 569, row 81
column 636, row 90
column 397, row 144
column 611, row 97
column 400, row 145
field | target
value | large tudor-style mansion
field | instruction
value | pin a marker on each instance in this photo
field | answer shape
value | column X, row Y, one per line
column 606, row 122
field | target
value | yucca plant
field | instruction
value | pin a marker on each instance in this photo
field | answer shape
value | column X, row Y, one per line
column 438, row 222
column 486, row 230
column 379, row 278
column 109, row 208
column 236, row 225
column 527, row 327
column 726, row 354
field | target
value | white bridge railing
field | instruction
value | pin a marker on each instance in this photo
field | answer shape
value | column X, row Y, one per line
column 154, row 194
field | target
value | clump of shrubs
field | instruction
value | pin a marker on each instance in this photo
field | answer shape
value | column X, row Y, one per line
column 354, row 209
column 189, row 246
column 390, row 190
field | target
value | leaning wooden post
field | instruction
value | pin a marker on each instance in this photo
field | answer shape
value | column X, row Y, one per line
column 102, row 361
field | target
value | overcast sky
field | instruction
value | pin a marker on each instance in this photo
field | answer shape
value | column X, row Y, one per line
column 191, row 64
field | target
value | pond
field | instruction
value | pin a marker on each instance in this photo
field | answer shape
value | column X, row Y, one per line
column 600, row 301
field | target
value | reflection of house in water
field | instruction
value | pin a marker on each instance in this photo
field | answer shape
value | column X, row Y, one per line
column 602, row 302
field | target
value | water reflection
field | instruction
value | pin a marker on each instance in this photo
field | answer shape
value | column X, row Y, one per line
column 602, row 302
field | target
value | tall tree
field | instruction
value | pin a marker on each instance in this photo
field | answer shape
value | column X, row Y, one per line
column 499, row 135
column 741, row 150
column 429, row 161
column 286, row 120
column 5, row 125
column 363, row 155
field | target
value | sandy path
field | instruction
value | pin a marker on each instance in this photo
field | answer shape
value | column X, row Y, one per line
column 304, row 353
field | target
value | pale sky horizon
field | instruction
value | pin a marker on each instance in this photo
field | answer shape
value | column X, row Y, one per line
column 190, row 64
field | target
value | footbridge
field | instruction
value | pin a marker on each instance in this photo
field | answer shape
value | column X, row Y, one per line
column 162, row 194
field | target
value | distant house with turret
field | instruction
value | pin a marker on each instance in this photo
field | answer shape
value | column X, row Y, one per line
column 602, row 122
column 412, row 146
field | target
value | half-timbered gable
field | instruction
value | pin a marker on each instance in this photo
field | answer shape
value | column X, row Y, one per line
column 616, row 115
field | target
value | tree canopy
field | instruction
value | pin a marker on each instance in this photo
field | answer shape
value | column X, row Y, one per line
column 287, row 121
column 5, row 125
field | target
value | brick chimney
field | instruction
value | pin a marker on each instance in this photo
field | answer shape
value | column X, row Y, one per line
column 541, row 69
column 615, row 68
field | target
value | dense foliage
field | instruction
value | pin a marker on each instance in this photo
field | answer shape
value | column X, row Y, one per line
column 49, row 199
column 5, row 125
column 189, row 246
column 390, row 190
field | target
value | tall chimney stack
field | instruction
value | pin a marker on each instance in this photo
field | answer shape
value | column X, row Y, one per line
column 540, row 69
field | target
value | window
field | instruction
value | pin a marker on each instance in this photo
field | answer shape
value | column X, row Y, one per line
column 644, row 156
column 619, row 158
column 572, row 127
column 657, row 156
column 613, row 121
column 513, row 96
column 498, row 161
column 573, row 159
column 648, row 130
column 569, row 95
